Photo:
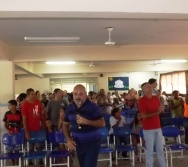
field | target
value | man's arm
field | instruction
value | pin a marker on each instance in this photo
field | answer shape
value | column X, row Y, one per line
column 99, row 123
column 5, row 125
column 48, row 110
column 149, row 115
column 66, row 130
column 27, row 136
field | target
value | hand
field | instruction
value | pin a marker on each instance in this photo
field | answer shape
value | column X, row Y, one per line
column 119, row 118
column 9, row 132
column 81, row 120
column 161, row 109
column 27, row 135
column 71, row 144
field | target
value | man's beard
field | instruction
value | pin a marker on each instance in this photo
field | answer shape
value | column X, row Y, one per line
column 78, row 102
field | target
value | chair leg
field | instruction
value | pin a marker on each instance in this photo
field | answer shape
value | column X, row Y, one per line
column 50, row 162
column 171, row 159
column 110, row 159
column 140, row 156
column 133, row 157
column 68, row 161
column 20, row 162
column 1, row 162
column 45, row 161
column 116, row 157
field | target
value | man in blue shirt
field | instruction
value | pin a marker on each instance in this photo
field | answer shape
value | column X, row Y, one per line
column 82, row 119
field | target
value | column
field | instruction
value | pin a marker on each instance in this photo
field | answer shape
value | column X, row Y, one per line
column 6, row 90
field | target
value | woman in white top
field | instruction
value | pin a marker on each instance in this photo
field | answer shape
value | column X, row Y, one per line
column 116, row 120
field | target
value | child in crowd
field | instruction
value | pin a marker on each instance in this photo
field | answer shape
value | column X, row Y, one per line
column 13, row 124
column 116, row 120
column 12, row 118
column 136, row 125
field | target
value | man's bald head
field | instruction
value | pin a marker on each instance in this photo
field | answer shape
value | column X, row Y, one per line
column 79, row 86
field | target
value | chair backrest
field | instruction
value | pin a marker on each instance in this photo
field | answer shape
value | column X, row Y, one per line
column 171, row 131
column 13, row 139
column 56, row 137
column 122, row 131
column 106, row 116
column 132, row 113
column 37, row 137
column 166, row 115
column 178, row 121
column 141, row 133
column 166, row 121
column 185, row 122
column 107, row 120
column 104, row 132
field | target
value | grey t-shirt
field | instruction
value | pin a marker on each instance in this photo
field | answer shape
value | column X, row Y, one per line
column 53, row 109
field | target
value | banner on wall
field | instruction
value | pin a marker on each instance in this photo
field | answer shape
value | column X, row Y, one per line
column 118, row 83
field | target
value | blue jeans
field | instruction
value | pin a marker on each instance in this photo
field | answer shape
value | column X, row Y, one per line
column 87, row 153
column 154, row 141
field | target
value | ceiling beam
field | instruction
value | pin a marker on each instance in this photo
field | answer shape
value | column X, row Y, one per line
column 99, row 53
column 108, row 68
column 28, row 68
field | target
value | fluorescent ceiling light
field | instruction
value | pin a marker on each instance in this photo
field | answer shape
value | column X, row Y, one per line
column 173, row 61
column 61, row 62
column 51, row 39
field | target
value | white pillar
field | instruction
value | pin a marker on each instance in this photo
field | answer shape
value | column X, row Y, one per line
column 6, row 90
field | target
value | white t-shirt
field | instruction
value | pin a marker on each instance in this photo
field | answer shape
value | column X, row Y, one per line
column 113, row 121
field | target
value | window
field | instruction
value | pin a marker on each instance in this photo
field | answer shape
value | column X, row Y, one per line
column 91, row 84
column 174, row 81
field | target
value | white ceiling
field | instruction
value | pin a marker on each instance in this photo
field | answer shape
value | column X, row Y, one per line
column 129, row 35
column 93, row 31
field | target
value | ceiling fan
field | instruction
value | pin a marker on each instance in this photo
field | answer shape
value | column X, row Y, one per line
column 154, row 63
column 91, row 64
column 109, row 42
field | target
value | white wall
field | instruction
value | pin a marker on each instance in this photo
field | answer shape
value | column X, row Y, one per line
column 135, row 78
column 41, row 84
column 22, row 84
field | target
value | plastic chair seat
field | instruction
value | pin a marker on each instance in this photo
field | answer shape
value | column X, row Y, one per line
column 125, row 148
column 106, row 149
column 35, row 155
column 57, row 154
column 4, row 156
column 176, row 147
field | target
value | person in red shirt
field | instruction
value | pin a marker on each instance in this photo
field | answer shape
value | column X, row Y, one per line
column 13, row 123
column 150, row 108
column 32, row 117
column 12, row 118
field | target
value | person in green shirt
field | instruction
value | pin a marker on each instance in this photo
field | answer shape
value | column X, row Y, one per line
column 176, row 105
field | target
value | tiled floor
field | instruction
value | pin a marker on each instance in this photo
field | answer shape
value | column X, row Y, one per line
column 125, row 163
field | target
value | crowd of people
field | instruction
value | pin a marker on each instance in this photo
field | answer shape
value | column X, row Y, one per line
column 78, row 115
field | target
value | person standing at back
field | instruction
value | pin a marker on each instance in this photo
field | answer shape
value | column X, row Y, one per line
column 32, row 118
column 55, row 106
column 150, row 108
column 82, row 119
column 176, row 105
column 153, row 83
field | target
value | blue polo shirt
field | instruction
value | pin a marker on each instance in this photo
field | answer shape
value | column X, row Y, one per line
column 88, row 110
